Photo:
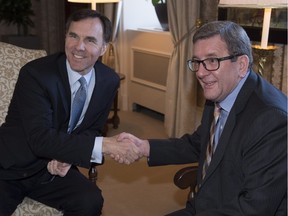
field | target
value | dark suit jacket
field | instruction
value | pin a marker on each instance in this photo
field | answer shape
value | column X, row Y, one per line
column 247, row 174
column 35, row 130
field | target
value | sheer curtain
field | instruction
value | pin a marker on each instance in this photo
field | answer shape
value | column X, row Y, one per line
column 181, row 94
column 113, row 12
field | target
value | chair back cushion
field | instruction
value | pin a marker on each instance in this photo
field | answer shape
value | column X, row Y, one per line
column 12, row 58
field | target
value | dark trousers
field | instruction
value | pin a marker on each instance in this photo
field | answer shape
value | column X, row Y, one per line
column 188, row 211
column 73, row 194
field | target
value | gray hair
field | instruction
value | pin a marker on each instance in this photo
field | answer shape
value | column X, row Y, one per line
column 232, row 34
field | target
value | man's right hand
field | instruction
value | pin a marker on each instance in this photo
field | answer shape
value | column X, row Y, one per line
column 122, row 150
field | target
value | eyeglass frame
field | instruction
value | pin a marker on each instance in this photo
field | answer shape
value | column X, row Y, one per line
column 204, row 65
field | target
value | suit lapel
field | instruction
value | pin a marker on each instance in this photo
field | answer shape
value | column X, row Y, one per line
column 96, row 100
column 206, row 123
column 238, row 106
column 64, row 87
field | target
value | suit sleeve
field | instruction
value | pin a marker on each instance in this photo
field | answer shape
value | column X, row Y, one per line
column 175, row 150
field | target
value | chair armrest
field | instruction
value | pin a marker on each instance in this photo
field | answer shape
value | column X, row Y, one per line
column 186, row 177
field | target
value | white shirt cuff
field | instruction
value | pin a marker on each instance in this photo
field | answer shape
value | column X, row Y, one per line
column 97, row 151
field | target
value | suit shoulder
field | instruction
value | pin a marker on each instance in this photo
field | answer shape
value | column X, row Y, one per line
column 271, row 96
column 45, row 66
column 46, row 61
column 258, row 95
column 106, row 71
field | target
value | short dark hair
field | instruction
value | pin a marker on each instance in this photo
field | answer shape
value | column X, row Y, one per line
column 88, row 13
column 232, row 34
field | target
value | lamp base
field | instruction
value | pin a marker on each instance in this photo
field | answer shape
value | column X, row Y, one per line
column 264, row 60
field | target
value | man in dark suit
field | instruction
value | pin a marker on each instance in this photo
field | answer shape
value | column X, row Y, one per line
column 247, row 174
column 39, row 147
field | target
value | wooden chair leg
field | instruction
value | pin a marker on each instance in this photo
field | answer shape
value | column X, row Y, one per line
column 92, row 173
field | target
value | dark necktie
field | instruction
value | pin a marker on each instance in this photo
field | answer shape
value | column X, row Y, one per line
column 210, row 146
column 78, row 104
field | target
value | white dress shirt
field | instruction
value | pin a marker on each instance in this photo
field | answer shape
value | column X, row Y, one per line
column 73, row 77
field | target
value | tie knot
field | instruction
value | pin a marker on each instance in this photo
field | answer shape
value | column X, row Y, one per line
column 82, row 81
column 217, row 110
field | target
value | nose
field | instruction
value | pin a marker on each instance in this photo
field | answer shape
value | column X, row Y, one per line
column 202, row 71
column 80, row 45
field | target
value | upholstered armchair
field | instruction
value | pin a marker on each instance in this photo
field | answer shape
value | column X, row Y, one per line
column 12, row 58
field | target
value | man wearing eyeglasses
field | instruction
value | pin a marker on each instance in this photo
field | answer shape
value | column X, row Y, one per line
column 242, row 150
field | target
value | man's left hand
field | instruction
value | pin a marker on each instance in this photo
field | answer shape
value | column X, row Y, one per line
column 58, row 168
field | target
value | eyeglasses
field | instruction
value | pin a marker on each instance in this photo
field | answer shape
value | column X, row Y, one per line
column 210, row 64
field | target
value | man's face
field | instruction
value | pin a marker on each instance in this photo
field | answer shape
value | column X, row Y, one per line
column 84, row 44
column 217, row 85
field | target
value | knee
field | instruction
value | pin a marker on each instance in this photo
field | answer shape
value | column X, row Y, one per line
column 93, row 201
column 90, row 202
column 97, row 201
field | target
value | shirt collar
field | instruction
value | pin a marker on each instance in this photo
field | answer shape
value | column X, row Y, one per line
column 228, row 102
column 74, row 76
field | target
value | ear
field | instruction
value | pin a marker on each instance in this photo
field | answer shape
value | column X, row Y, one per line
column 103, row 49
column 243, row 65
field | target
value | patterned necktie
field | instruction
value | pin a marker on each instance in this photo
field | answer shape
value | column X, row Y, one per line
column 210, row 146
column 78, row 104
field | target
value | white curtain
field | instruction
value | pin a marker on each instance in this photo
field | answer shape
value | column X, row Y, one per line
column 181, row 94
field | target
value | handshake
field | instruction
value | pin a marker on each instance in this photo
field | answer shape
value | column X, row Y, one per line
column 125, row 148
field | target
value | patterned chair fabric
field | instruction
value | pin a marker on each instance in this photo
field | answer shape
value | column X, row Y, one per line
column 12, row 58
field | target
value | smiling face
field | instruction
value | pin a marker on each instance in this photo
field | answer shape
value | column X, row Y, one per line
column 217, row 85
column 84, row 44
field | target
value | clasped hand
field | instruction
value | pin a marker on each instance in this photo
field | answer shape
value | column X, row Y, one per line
column 125, row 148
